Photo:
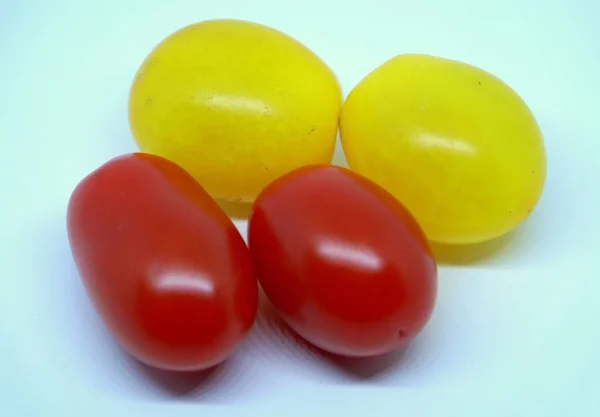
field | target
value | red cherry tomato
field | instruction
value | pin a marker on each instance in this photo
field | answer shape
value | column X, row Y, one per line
column 344, row 263
column 164, row 266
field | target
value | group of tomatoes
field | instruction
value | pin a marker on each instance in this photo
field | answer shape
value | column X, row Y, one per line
column 228, row 110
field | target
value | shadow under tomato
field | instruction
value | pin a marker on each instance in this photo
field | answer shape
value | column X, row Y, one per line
column 236, row 209
column 178, row 384
column 339, row 158
column 354, row 369
column 230, row 382
column 471, row 254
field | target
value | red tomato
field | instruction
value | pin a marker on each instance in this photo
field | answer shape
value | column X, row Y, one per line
column 346, row 265
column 164, row 266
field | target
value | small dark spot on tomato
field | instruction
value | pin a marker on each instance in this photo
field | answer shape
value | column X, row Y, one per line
column 533, row 172
column 479, row 82
column 149, row 100
column 401, row 333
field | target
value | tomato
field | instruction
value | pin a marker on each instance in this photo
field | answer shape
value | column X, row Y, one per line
column 235, row 103
column 166, row 269
column 455, row 144
column 344, row 263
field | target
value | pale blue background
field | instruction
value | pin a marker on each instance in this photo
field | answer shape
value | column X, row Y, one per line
column 514, row 333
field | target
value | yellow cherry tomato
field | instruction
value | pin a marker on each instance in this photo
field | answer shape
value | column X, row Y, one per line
column 452, row 142
column 235, row 103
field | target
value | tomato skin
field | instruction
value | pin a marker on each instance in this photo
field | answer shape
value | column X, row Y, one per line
column 344, row 263
column 164, row 266
column 235, row 103
column 457, row 145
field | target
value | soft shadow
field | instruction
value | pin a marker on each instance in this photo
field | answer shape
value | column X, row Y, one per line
column 470, row 254
column 361, row 369
column 230, row 382
column 339, row 158
column 372, row 368
column 236, row 209
column 178, row 384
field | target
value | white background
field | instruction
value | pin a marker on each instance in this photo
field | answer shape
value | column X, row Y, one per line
column 516, row 328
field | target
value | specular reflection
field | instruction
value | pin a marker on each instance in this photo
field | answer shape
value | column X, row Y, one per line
column 185, row 282
column 239, row 103
column 354, row 255
column 450, row 144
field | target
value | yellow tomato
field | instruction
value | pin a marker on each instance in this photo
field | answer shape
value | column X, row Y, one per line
column 452, row 142
column 237, row 104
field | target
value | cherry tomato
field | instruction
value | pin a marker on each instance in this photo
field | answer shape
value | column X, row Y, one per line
column 235, row 103
column 454, row 143
column 345, row 264
column 166, row 269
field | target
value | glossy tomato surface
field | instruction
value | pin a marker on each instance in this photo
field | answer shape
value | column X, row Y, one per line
column 454, row 143
column 346, row 265
column 165, row 268
column 235, row 103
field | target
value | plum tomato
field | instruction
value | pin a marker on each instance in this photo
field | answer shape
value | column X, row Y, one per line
column 344, row 263
column 235, row 103
column 454, row 143
column 165, row 268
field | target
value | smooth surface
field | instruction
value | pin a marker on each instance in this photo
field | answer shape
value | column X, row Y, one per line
column 515, row 330
column 235, row 103
column 454, row 143
column 346, row 265
column 166, row 269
